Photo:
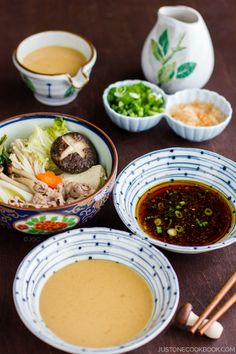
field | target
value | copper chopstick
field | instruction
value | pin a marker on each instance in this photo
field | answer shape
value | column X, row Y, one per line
column 219, row 313
column 228, row 285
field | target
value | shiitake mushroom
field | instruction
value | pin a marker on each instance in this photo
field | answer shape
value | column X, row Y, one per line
column 73, row 153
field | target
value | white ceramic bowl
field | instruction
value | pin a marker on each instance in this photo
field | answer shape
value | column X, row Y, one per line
column 170, row 165
column 61, row 89
column 98, row 243
column 190, row 132
column 132, row 124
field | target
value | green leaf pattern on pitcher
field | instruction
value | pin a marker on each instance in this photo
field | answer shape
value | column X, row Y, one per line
column 163, row 53
column 185, row 70
column 156, row 50
column 166, row 73
column 164, row 42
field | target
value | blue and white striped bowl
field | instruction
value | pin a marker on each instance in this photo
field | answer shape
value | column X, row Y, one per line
column 95, row 243
column 169, row 165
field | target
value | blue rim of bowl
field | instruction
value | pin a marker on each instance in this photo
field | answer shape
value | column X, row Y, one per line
column 129, row 82
column 163, row 245
column 73, row 119
column 123, row 348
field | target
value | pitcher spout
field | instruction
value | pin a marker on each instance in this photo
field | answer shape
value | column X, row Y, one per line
column 82, row 76
column 181, row 14
column 78, row 81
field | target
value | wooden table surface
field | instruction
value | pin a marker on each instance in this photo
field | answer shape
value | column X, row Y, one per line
column 118, row 30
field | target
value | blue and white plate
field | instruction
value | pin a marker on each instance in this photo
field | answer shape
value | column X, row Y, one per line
column 170, row 165
column 95, row 243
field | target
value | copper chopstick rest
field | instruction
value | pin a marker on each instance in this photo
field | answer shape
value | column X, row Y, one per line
column 199, row 323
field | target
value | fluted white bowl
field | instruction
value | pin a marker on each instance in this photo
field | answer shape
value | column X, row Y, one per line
column 186, row 131
column 132, row 124
column 190, row 132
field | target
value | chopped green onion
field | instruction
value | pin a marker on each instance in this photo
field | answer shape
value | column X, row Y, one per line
column 159, row 229
column 198, row 222
column 208, row 211
column 182, row 202
column 201, row 223
column 137, row 100
column 171, row 211
column 204, row 223
column 149, row 217
column 157, row 221
column 179, row 228
column 178, row 214
column 170, row 222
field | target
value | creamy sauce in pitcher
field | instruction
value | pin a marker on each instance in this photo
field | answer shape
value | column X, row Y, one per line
column 96, row 303
column 54, row 60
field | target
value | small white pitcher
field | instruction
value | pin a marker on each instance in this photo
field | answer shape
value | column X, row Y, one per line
column 55, row 90
column 178, row 52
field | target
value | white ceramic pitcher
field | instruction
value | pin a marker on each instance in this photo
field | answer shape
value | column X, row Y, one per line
column 178, row 52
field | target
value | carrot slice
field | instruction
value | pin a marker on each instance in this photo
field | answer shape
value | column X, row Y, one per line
column 49, row 178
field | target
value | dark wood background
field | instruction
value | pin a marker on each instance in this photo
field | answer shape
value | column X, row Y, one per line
column 118, row 30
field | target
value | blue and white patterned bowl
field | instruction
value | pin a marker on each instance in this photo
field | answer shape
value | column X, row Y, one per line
column 31, row 220
column 170, row 165
column 95, row 243
column 55, row 89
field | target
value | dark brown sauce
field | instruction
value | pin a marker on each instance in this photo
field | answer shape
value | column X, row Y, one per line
column 185, row 213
